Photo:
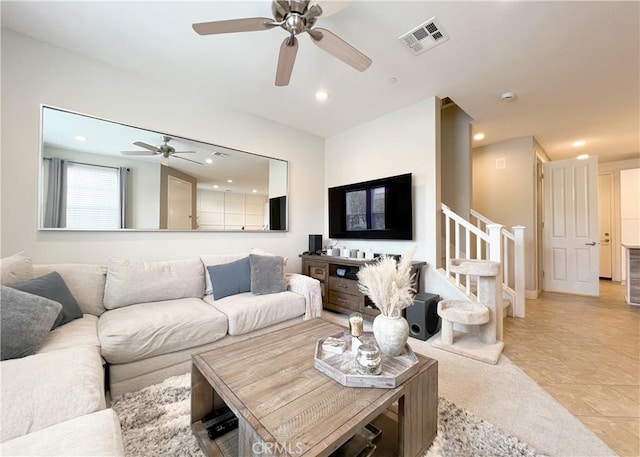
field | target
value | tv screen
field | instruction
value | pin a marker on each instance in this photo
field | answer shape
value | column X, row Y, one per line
column 381, row 209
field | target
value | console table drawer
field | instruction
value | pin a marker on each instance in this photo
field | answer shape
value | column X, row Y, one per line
column 319, row 273
column 345, row 300
column 348, row 286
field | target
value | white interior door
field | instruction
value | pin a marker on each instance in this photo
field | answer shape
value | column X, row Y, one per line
column 605, row 196
column 571, row 226
column 178, row 204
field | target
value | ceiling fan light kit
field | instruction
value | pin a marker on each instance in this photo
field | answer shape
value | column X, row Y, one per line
column 295, row 17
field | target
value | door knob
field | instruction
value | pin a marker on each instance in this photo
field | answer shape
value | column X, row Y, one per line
column 593, row 243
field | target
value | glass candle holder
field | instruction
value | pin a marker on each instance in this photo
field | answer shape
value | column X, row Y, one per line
column 368, row 360
column 355, row 324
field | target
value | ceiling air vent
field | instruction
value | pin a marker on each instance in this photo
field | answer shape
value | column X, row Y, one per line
column 424, row 37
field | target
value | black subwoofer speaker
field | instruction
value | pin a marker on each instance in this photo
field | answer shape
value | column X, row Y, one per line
column 422, row 316
column 315, row 244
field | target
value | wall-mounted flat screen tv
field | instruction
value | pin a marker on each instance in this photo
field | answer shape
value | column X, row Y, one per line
column 381, row 209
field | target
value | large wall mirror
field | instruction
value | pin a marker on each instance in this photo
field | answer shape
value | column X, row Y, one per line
column 103, row 175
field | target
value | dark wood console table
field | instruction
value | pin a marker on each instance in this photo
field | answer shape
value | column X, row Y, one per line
column 339, row 284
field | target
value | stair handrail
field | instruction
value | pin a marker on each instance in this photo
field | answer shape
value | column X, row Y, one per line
column 516, row 238
column 460, row 223
column 493, row 242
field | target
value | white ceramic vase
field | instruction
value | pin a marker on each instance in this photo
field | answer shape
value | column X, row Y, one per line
column 391, row 334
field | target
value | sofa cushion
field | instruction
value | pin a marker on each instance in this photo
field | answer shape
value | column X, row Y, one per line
column 25, row 321
column 46, row 389
column 15, row 269
column 267, row 274
column 139, row 331
column 53, row 287
column 137, row 281
column 79, row 332
column 85, row 281
column 218, row 259
column 95, row 434
column 230, row 278
column 247, row 312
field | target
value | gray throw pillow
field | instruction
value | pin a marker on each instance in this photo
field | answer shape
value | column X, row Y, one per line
column 53, row 287
column 267, row 274
column 230, row 278
column 25, row 321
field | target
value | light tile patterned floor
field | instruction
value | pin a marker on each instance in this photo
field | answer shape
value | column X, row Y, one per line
column 586, row 353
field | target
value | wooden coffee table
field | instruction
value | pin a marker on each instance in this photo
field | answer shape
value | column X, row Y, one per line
column 287, row 407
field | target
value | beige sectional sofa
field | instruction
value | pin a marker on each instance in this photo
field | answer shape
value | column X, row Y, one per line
column 141, row 323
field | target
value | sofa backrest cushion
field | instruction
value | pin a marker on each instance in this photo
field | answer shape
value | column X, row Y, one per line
column 15, row 269
column 138, row 281
column 85, row 282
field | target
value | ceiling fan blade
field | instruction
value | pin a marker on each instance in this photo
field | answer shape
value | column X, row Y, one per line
column 183, row 158
column 313, row 11
column 251, row 24
column 288, row 51
column 337, row 47
column 299, row 6
column 280, row 8
column 146, row 146
column 184, row 152
column 138, row 153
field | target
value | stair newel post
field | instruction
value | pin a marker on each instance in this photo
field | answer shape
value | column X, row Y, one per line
column 447, row 239
column 494, row 292
column 519, row 271
column 495, row 245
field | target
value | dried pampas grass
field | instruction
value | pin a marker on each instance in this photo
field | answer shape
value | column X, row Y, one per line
column 389, row 284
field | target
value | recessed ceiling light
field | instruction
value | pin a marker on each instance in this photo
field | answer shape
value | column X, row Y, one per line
column 478, row 136
column 254, row 191
column 583, row 157
column 229, row 180
column 208, row 160
column 80, row 138
column 322, row 95
column 578, row 144
column 215, row 186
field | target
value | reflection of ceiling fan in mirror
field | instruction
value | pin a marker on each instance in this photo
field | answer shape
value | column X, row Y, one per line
column 295, row 17
column 164, row 149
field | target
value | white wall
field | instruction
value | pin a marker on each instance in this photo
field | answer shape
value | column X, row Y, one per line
column 507, row 195
column 404, row 141
column 456, row 159
column 34, row 73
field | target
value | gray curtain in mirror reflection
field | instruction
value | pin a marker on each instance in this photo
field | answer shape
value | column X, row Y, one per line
column 55, row 213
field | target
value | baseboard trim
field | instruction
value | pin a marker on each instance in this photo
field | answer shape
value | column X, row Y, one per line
column 530, row 294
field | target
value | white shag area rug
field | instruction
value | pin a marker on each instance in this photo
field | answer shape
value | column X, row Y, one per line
column 155, row 421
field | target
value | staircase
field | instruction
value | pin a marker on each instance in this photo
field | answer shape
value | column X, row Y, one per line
column 485, row 240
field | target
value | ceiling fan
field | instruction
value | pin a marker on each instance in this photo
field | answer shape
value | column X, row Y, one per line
column 164, row 149
column 295, row 17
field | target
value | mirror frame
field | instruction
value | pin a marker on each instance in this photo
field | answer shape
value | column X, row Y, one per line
column 204, row 144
